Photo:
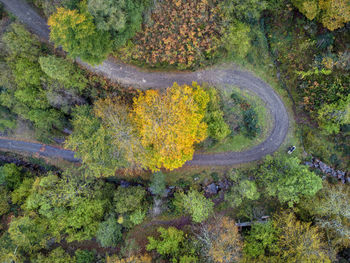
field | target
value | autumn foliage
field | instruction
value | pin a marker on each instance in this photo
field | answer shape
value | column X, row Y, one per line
column 170, row 124
column 183, row 34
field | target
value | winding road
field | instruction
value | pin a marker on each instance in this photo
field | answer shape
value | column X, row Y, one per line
column 131, row 76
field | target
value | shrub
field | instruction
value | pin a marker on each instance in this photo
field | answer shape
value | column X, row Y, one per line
column 109, row 233
column 157, row 185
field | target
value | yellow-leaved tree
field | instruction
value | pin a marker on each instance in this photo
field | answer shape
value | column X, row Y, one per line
column 333, row 14
column 170, row 124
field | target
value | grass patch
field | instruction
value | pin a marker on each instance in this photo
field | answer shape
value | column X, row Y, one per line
column 238, row 140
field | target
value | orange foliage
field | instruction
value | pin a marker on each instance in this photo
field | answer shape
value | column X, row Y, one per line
column 184, row 33
column 226, row 244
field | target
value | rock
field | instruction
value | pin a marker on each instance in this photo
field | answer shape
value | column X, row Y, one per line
column 334, row 174
column 323, row 166
column 348, row 179
column 211, row 189
column 309, row 164
column 341, row 172
column 124, row 184
column 224, row 184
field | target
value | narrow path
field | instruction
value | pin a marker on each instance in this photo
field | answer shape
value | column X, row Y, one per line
column 129, row 75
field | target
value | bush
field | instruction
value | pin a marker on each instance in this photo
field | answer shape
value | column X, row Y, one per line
column 109, row 233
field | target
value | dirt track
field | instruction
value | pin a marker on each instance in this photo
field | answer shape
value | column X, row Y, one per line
column 129, row 75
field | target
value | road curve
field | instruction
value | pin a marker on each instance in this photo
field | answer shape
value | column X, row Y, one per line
column 133, row 76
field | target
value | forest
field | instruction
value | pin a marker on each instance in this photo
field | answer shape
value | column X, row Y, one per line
column 209, row 131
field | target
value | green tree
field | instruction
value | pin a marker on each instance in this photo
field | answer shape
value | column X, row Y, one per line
column 29, row 233
column 241, row 190
column 331, row 210
column 243, row 10
column 333, row 14
column 116, row 118
column 122, row 18
column 109, row 233
column 214, row 117
column 195, row 203
column 288, row 180
column 173, row 243
column 129, row 199
column 57, row 255
column 299, row 241
column 84, row 256
column 4, row 201
column 77, row 34
column 64, row 71
column 10, row 176
column 93, row 143
column 236, row 39
column 157, row 185
column 20, row 194
column 20, row 43
column 332, row 116
column 72, row 206
column 261, row 240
